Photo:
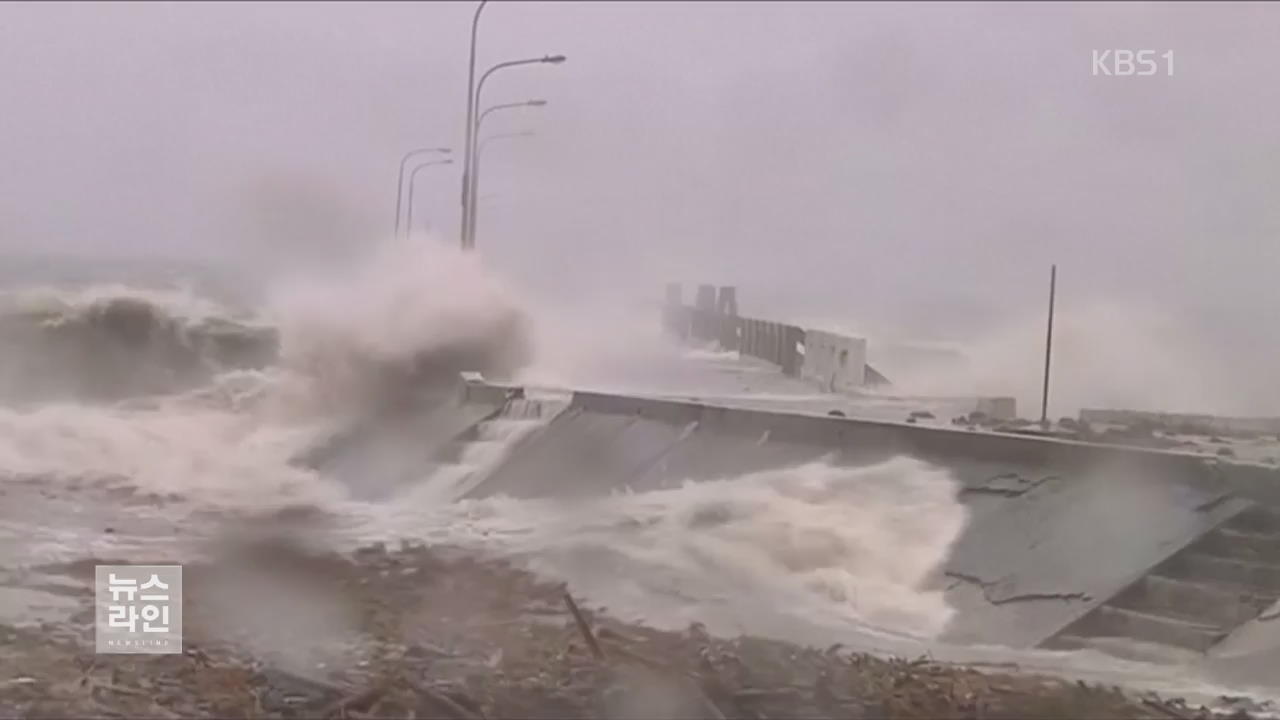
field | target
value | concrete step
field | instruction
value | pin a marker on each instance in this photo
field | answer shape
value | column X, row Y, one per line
column 1108, row 621
column 1257, row 519
column 1256, row 577
column 1241, row 545
column 1199, row 602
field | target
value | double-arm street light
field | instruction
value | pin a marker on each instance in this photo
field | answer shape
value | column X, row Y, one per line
column 473, row 102
column 504, row 106
column 475, row 188
column 408, row 229
column 473, row 130
column 400, row 178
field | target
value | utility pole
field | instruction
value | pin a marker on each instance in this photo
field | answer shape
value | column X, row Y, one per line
column 1048, row 348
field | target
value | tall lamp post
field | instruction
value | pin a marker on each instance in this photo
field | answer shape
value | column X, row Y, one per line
column 400, row 178
column 471, row 109
column 408, row 229
column 475, row 167
column 475, row 188
column 469, row 208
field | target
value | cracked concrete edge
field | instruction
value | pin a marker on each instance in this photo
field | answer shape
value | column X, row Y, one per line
column 986, row 585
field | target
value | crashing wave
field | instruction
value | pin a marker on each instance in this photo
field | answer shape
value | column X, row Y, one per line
column 112, row 343
column 413, row 318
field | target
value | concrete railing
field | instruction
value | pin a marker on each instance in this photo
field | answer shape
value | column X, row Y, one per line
column 832, row 362
column 836, row 362
column 772, row 342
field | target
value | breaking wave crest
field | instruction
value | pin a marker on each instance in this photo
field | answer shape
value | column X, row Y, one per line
column 412, row 317
column 408, row 321
column 167, row 392
column 106, row 343
column 816, row 548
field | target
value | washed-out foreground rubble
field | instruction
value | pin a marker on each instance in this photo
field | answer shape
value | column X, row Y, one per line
column 443, row 634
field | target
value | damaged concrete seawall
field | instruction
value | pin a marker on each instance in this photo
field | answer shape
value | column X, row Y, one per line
column 829, row 361
column 1055, row 527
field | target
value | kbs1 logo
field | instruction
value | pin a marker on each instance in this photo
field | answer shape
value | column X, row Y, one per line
column 1128, row 63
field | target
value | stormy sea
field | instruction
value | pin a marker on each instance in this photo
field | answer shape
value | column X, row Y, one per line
column 162, row 419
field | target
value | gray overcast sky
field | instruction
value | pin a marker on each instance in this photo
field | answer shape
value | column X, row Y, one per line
column 919, row 165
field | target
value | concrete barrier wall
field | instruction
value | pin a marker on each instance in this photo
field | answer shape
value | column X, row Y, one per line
column 761, row 339
column 1056, row 527
column 945, row 445
column 834, row 362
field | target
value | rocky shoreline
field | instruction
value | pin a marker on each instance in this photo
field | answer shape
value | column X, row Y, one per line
column 443, row 634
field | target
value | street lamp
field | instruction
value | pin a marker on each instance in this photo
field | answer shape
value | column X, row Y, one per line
column 468, row 238
column 400, row 179
column 475, row 187
column 504, row 106
column 412, row 177
column 471, row 108
column 480, row 124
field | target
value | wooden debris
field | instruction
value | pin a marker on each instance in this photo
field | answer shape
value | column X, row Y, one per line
column 587, row 636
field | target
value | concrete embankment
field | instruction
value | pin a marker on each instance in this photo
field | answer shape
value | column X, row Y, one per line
column 1067, row 545
column 1140, row 553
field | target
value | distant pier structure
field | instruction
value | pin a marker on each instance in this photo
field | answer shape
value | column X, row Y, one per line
column 834, row 362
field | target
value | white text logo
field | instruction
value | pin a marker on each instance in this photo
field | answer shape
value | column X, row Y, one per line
column 138, row 608
column 1127, row 63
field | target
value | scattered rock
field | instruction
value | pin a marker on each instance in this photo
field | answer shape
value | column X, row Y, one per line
column 503, row 662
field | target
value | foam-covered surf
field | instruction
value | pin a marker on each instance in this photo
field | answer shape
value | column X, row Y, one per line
column 812, row 546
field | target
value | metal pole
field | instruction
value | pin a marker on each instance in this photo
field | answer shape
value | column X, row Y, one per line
column 1048, row 347
column 469, row 191
column 471, row 109
column 404, row 160
column 475, row 188
column 408, row 230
